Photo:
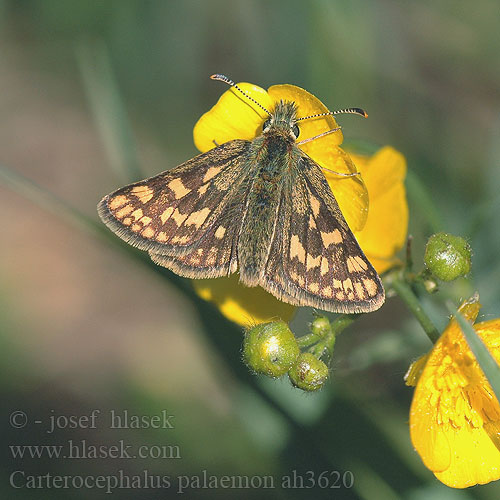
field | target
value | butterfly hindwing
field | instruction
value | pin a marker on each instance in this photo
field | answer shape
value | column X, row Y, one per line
column 315, row 259
column 168, row 213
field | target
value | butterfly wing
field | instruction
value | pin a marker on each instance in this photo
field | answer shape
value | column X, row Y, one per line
column 169, row 213
column 215, row 253
column 315, row 259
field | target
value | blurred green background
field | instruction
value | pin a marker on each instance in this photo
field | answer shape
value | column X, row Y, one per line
column 93, row 93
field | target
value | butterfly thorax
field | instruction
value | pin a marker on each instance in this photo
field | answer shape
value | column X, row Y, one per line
column 277, row 141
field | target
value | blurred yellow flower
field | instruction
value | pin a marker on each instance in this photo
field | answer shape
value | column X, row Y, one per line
column 455, row 416
column 241, row 304
column 381, row 231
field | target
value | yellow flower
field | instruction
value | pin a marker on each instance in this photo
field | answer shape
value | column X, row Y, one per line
column 384, row 233
column 381, row 230
column 455, row 416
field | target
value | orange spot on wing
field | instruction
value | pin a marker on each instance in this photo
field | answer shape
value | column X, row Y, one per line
column 296, row 249
column 312, row 262
column 314, row 205
column 324, row 266
column 371, row 287
column 221, row 231
column 178, row 188
column 198, row 218
column 118, row 201
column 144, row 193
column 178, row 217
column 360, row 291
column 331, row 238
column 124, row 211
column 165, row 215
column 210, row 173
column 149, row 232
column 136, row 214
column 145, row 220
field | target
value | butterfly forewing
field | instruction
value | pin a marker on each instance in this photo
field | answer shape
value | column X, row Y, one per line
column 170, row 212
column 215, row 253
column 315, row 259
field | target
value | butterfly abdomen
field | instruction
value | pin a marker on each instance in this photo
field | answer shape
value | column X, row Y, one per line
column 270, row 164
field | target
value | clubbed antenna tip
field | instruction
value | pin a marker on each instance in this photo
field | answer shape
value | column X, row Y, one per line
column 222, row 78
column 225, row 79
column 353, row 111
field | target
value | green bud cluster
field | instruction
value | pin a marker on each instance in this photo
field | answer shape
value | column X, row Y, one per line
column 320, row 326
column 308, row 373
column 447, row 257
column 271, row 349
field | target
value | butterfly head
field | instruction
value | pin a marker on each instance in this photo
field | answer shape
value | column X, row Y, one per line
column 283, row 120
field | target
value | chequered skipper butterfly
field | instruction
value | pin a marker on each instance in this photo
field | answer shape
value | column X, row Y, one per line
column 260, row 207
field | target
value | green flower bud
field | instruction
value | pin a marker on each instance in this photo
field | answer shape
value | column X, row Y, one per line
column 308, row 373
column 270, row 348
column 447, row 257
column 320, row 326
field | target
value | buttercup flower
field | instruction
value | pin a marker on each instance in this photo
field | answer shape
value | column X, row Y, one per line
column 384, row 233
column 455, row 416
column 373, row 203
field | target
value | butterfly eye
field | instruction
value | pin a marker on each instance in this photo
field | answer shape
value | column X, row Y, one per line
column 296, row 131
column 266, row 124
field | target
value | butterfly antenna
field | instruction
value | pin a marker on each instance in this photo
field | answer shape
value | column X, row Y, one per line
column 352, row 111
column 225, row 79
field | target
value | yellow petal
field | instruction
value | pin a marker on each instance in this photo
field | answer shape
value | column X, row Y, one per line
column 233, row 117
column 473, row 459
column 427, row 435
column 469, row 309
column 350, row 192
column 489, row 331
column 308, row 105
column 415, row 370
column 241, row 304
column 386, row 227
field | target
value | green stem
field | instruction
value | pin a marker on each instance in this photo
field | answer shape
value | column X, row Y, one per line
column 327, row 343
column 340, row 323
column 409, row 257
column 411, row 300
column 307, row 340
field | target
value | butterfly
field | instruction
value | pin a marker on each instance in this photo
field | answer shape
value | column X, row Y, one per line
column 262, row 208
